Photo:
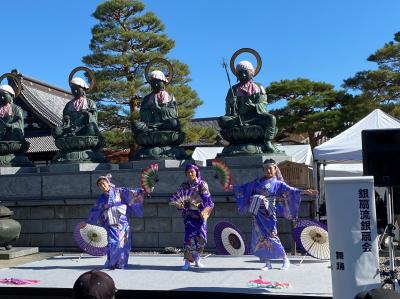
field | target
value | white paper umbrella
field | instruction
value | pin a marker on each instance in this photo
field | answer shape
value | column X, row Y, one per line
column 228, row 239
column 315, row 241
column 91, row 238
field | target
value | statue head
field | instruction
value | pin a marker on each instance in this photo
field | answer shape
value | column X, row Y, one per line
column 78, row 87
column 157, row 80
column 244, row 71
column 7, row 94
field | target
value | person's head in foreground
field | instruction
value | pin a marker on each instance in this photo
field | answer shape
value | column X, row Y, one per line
column 379, row 293
column 94, row 285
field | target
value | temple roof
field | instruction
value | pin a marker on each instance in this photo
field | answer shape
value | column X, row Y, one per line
column 207, row 122
column 46, row 101
column 41, row 144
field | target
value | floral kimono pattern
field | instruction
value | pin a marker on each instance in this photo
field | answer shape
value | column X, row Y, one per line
column 277, row 200
column 112, row 210
column 195, row 211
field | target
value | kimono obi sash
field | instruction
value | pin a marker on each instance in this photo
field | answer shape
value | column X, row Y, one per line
column 256, row 201
column 115, row 208
column 255, row 204
column 115, row 212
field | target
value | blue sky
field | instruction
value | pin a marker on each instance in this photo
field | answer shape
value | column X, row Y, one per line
column 319, row 40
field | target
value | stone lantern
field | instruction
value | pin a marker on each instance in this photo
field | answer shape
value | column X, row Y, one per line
column 9, row 228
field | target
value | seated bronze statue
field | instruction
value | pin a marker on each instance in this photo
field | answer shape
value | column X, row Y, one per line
column 12, row 141
column 79, row 114
column 158, row 130
column 158, row 109
column 79, row 138
column 11, row 117
column 247, row 125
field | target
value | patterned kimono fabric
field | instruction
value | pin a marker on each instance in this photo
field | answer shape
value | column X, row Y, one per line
column 195, row 216
column 277, row 200
column 113, row 209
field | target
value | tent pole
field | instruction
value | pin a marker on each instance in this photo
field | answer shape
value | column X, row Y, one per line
column 322, row 187
column 316, row 186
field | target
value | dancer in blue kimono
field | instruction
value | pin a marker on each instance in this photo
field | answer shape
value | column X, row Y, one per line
column 194, row 200
column 112, row 209
column 277, row 199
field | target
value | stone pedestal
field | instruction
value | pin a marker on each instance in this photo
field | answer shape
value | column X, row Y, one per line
column 79, row 149
column 12, row 154
column 18, row 170
column 250, row 161
column 78, row 167
column 17, row 252
column 160, row 145
column 167, row 163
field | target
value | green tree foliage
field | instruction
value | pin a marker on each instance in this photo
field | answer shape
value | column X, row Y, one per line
column 312, row 107
column 123, row 42
column 380, row 88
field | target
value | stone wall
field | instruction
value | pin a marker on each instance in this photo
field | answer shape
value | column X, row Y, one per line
column 50, row 204
column 49, row 224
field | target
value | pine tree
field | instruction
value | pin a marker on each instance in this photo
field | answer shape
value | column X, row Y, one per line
column 380, row 88
column 123, row 42
column 312, row 107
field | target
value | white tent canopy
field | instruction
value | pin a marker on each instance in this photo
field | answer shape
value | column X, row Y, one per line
column 347, row 146
column 300, row 153
column 342, row 154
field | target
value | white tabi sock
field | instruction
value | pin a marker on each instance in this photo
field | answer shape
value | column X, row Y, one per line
column 198, row 263
column 267, row 266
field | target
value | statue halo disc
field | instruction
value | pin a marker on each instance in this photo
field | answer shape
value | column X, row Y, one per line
column 89, row 73
column 246, row 50
column 160, row 60
column 16, row 79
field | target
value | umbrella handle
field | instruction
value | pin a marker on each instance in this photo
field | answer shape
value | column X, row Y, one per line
column 80, row 256
column 306, row 253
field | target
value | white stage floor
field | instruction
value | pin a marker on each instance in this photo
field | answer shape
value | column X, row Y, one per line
column 163, row 272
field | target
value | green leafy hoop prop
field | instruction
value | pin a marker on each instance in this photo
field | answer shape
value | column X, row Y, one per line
column 246, row 50
column 17, row 81
column 88, row 71
column 160, row 60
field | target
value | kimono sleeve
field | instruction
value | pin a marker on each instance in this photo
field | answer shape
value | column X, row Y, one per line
column 242, row 194
column 134, row 199
column 95, row 212
column 288, row 201
column 205, row 195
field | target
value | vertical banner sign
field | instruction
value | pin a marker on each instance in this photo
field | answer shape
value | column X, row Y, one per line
column 353, row 238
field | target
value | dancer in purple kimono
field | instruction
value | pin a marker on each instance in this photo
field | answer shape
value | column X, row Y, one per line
column 276, row 199
column 194, row 199
column 112, row 209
